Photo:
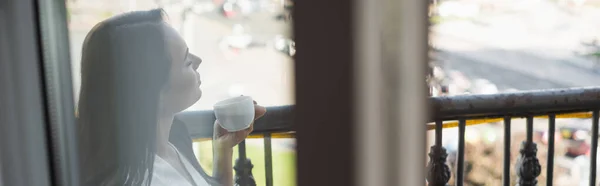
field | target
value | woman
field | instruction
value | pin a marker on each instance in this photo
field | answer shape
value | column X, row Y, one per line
column 137, row 73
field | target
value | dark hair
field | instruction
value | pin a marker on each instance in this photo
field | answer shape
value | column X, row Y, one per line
column 125, row 64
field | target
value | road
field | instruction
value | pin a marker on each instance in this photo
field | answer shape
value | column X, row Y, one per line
column 504, row 78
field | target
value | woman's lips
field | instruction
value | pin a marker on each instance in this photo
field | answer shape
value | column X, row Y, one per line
column 198, row 78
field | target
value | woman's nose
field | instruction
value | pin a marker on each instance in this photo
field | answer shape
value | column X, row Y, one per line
column 197, row 59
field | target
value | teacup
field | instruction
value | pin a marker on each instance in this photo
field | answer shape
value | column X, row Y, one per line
column 235, row 114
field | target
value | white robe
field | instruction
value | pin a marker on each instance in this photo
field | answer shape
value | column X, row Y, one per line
column 166, row 175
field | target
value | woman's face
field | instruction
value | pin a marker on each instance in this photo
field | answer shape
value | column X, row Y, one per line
column 183, row 88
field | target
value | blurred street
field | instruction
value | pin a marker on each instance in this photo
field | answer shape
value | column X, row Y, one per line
column 521, row 45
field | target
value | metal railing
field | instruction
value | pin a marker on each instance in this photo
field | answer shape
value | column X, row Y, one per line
column 506, row 106
column 276, row 121
column 464, row 108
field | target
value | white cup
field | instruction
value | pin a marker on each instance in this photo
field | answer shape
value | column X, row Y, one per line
column 235, row 114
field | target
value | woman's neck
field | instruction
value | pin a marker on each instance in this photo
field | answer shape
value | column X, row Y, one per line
column 162, row 135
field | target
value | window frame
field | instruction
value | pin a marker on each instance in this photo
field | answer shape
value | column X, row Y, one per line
column 24, row 138
column 60, row 105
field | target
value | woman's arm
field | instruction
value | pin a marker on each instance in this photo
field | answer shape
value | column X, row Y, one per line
column 223, row 166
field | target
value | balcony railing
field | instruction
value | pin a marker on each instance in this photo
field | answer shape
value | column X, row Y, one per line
column 470, row 108
column 277, row 122
column 467, row 109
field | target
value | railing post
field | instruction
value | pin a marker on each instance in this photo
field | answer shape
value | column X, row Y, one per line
column 550, row 164
column 594, row 147
column 438, row 173
column 460, row 169
column 243, row 168
column 528, row 166
column 268, row 160
column 506, row 158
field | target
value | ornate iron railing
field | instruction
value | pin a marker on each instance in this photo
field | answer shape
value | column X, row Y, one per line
column 507, row 106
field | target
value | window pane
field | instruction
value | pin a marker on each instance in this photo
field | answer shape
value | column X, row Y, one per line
column 242, row 54
column 147, row 79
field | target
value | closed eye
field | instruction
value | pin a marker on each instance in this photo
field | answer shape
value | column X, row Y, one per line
column 187, row 54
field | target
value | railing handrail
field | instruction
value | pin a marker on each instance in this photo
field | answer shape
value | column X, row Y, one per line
column 506, row 106
column 277, row 119
column 524, row 103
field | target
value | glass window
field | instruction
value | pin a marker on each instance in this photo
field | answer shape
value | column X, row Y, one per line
column 140, row 62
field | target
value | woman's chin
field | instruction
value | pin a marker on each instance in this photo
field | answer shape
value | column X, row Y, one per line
column 191, row 100
column 197, row 97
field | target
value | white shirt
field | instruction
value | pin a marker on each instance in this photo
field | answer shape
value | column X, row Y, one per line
column 166, row 175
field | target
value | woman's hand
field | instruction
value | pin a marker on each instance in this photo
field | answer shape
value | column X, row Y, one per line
column 223, row 143
column 225, row 140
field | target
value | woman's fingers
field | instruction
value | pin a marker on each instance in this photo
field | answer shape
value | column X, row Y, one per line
column 243, row 134
column 259, row 111
column 250, row 129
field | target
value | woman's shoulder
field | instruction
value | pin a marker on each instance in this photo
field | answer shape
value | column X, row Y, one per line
column 163, row 174
column 180, row 138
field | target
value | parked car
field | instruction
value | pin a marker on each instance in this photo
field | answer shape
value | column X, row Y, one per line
column 239, row 39
column 576, row 134
column 285, row 45
column 234, row 8
column 229, row 9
